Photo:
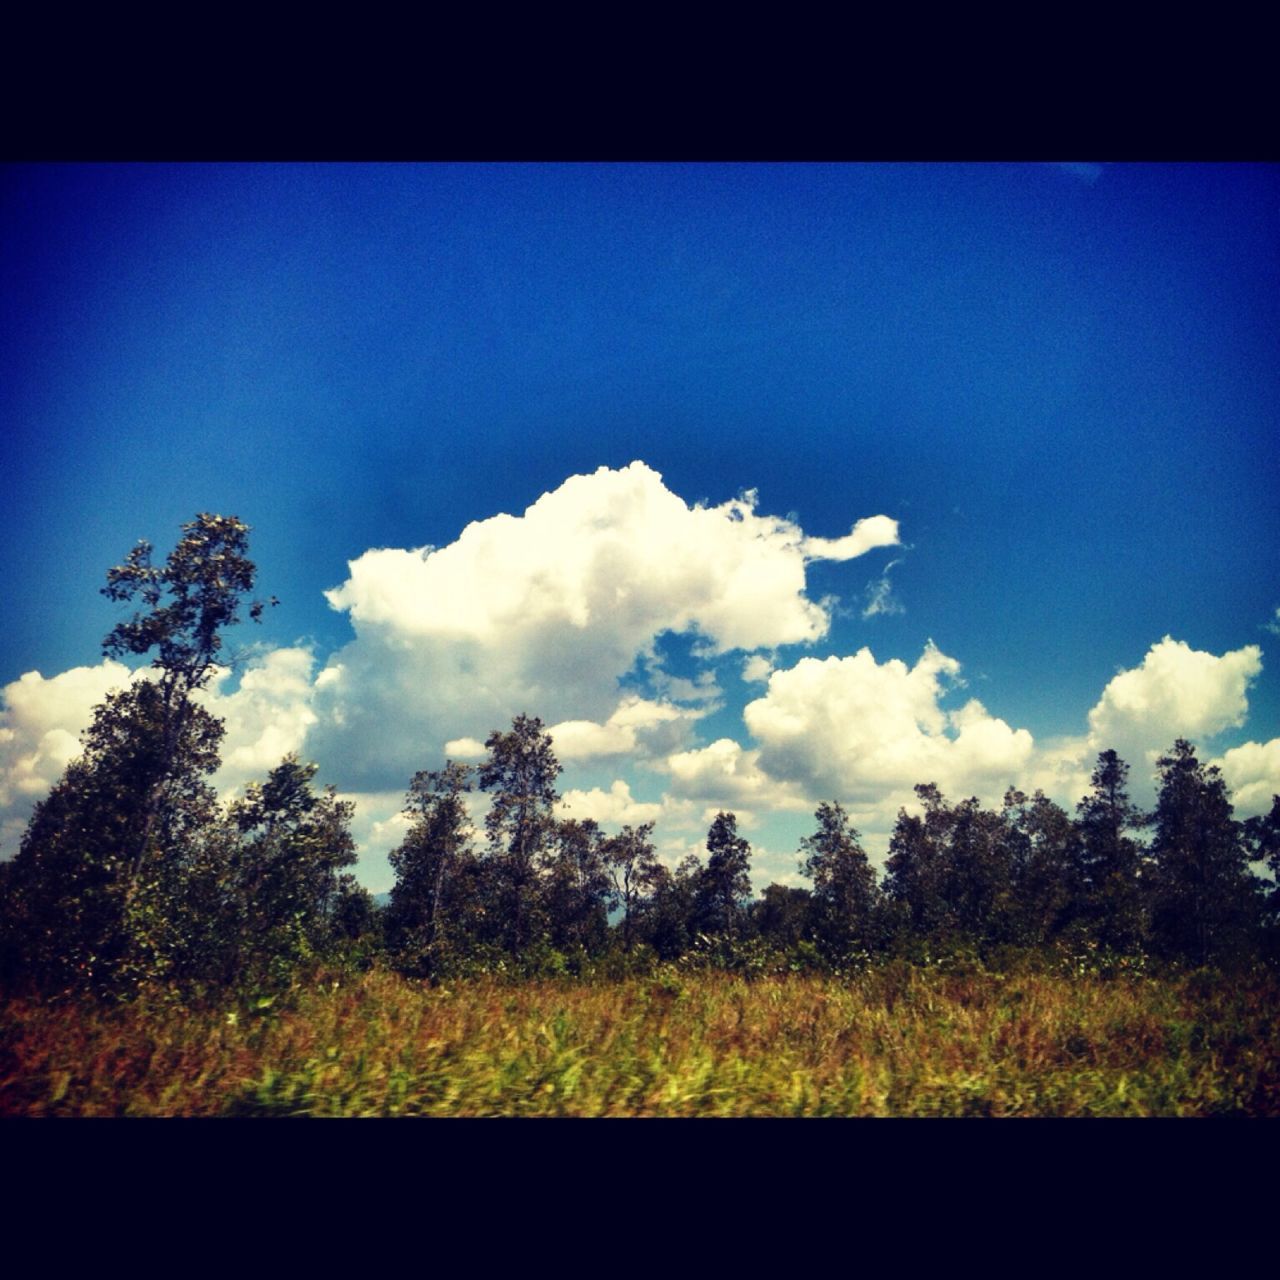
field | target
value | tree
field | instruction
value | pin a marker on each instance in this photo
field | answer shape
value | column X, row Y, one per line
column 783, row 916
column 950, row 872
column 188, row 604
column 845, row 896
column 576, row 887
column 1044, row 857
column 427, row 866
column 668, row 917
column 1262, row 834
column 294, row 844
column 634, row 868
column 978, row 880
column 95, row 875
column 520, row 771
column 916, row 867
column 1204, row 900
column 1111, row 859
column 726, row 882
column 82, row 910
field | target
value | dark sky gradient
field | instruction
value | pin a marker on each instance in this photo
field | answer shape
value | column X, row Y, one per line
column 1064, row 386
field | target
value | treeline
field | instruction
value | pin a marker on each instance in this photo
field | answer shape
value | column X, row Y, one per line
column 131, row 873
column 545, row 895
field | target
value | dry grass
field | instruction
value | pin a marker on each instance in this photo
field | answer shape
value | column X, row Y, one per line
column 893, row 1042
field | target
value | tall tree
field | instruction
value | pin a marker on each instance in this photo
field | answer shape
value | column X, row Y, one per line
column 916, row 866
column 424, row 908
column 520, row 772
column 295, row 843
column 1112, row 860
column 845, row 895
column 79, row 911
column 726, row 882
column 668, row 917
column 1204, row 898
column 634, row 867
column 1263, row 836
column 1045, row 861
column 188, row 603
column 577, row 890
column 101, row 848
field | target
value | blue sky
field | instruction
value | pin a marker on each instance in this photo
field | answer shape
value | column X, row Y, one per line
column 1059, row 381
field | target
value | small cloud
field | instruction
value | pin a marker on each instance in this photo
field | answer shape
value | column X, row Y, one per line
column 880, row 597
column 756, row 668
column 1086, row 171
column 464, row 749
column 1274, row 625
column 867, row 534
column 615, row 807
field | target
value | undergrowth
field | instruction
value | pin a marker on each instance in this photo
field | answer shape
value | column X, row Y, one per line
column 892, row 1040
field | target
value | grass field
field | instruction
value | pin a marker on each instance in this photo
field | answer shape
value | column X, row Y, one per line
column 895, row 1041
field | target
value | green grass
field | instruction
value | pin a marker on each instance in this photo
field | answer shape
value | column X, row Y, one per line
column 895, row 1041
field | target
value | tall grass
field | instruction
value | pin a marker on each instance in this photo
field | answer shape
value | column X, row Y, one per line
column 895, row 1041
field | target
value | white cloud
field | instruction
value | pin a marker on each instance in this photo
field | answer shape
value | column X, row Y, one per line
column 637, row 725
column 1274, row 624
column 867, row 534
column 267, row 717
column 1176, row 692
column 545, row 612
column 855, row 729
column 41, row 721
column 615, row 807
column 756, row 669
column 880, row 597
column 1252, row 774
column 727, row 776
column 465, row 749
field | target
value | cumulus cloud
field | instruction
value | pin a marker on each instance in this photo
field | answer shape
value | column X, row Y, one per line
column 756, row 668
column 727, row 776
column 41, row 720
column 865, row 732
column 1252, row 774
column 852, row 727
column 637, row 726
column 546, row 611
column 1176, row 692
column 615, row 807
column 267, row 717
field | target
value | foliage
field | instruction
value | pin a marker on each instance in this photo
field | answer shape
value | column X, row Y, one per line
column 98, row 859
column 293, row 846
column 433, row 866
column 845, row 895
column 634, row 869
column 893, row 1040
column 726, row 882
column 520, row 773
column 1204, row 901
column 577, row 889
column 1111, row 859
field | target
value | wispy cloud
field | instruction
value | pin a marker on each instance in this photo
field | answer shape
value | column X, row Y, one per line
column 1086, row 171
column 879, row 595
